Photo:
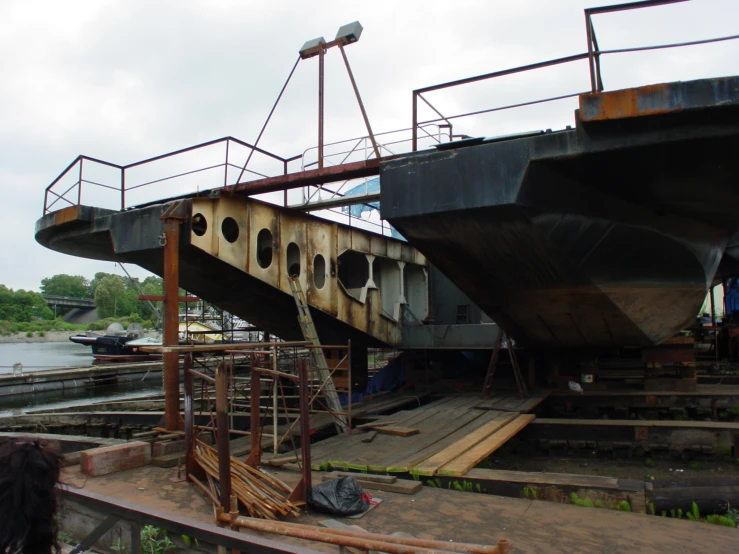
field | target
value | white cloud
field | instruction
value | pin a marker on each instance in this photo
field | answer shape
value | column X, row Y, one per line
column 123, row 81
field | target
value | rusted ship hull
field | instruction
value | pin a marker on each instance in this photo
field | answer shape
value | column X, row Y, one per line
column 608, row 234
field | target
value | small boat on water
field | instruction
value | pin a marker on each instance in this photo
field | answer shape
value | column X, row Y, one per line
column 123, row 345
column 119, row 345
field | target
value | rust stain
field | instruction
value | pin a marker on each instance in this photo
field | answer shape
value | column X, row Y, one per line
column 622, row 104
column 67, row 215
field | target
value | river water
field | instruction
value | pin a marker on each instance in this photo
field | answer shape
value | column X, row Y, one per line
column 55, row 355
column 37, row 356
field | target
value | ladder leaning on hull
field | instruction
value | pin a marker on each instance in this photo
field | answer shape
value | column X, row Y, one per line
column 319, row 359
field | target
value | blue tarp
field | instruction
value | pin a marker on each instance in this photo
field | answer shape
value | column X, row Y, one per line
column 369, row 187
column 388, row 378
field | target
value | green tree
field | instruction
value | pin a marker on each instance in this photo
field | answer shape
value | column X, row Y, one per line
column 75, row 286
column 22, row 306
column 109, row 292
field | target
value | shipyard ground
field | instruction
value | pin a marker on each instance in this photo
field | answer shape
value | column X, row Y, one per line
column 530, row 525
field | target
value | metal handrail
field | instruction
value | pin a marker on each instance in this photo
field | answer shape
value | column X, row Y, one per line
column 592, row 55
column 121, row 185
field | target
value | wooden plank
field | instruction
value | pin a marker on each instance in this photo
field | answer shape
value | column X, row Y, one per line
column 482, row 450
column 370, row 436
column 397, row 431
column 389, row 479
column 640, row 423
column 400, row 460
column 410, row 462
column 541, row 478
column 374, row 424
column 437, row 461
column 401, row 486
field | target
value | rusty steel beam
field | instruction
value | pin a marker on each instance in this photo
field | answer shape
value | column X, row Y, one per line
column 223, row 444
column 354, row 170
column 172, row 219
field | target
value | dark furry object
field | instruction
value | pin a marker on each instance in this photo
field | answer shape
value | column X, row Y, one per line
column 28, row 500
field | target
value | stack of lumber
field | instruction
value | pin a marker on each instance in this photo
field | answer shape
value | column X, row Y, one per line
column 262, row 495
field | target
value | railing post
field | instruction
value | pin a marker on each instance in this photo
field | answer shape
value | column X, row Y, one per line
column 224, row 447
column 414, row 131
column 123, row 188
column 79, row 184
column 591, row 64
column 225, row 165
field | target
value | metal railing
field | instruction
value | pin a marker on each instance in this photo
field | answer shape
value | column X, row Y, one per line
column 593, row 56
column 123, row 183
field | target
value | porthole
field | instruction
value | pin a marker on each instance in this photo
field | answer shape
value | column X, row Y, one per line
column 230, row 229
column 264, row 248
column 293, row 260
column 199, row 224
column 319, row 271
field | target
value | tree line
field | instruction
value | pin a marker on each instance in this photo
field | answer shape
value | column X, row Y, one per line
column 113, row 295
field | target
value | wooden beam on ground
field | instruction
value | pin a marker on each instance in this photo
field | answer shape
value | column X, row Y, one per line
column 397, row 431
column 110, row 459
column 369, row 437
column 401, row 486
column 482, row 450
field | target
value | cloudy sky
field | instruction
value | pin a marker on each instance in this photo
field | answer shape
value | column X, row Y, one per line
column 126, row 80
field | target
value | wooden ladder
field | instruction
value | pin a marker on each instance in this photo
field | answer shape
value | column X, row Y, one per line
column 319, row 359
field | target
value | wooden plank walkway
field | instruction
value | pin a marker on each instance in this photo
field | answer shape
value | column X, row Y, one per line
column 452, row 435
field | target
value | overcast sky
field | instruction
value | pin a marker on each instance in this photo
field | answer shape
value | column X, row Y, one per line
column 126, row 80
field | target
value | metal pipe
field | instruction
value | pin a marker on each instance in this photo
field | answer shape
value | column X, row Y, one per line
column 256, row 434
column 190, row 463
column 171, row 323
column 224, row 446
column 274, row 401
column 269, row 116
column 366, row 541
column 321, row 54
column 359, row 100
column 305, row 427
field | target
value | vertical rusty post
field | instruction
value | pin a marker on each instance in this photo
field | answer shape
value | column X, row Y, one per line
column 123, row 188
column 254, row 432
column 171, row 322
column 321, row 54
column 79, row 183
column 414, row 125
column 349, row 392
column 305, row 425
column 190, row 463
column 225, row 165
column 234, row 514
column 713, row 321
column 224, row 447
column 591, row 62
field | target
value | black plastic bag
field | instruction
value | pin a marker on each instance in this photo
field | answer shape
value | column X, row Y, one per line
column 338, row 497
